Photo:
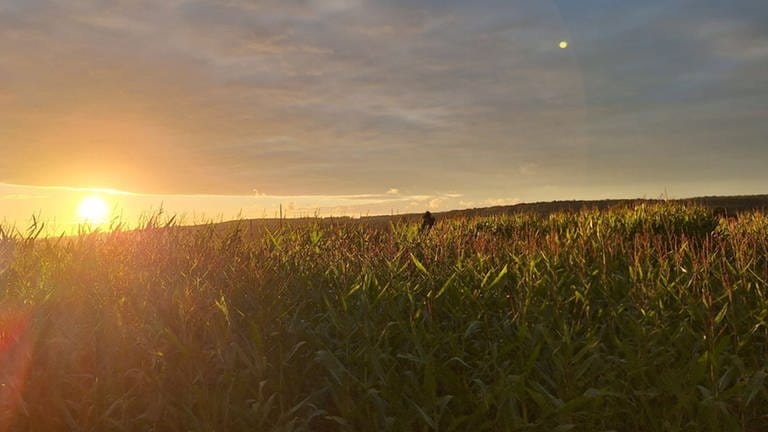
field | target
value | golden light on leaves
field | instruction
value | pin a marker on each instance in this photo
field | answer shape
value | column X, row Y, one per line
column 93, row 210
column 563, row 44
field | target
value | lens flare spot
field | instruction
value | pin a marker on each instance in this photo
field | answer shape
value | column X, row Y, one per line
column 563, row 44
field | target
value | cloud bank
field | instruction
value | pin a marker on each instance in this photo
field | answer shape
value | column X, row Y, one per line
column 345, row 97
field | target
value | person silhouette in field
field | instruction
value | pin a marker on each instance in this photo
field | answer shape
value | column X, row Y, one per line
column 427, row 220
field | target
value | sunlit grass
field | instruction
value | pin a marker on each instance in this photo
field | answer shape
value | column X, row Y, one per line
column 646, row 318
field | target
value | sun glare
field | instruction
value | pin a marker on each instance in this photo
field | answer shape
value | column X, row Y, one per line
column 563, row 44
column 93, row 210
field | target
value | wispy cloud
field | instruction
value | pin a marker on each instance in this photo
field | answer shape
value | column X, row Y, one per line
column 13, row 197
column 490, row 202
column 383, row 89
column 339, row 98
column 61, row 203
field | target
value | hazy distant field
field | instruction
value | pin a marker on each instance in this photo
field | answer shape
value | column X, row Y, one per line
column 641, row 319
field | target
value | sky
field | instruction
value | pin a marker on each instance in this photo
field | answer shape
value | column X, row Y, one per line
column 227, row 108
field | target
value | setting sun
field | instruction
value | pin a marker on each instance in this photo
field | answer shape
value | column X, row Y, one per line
column 93, row 210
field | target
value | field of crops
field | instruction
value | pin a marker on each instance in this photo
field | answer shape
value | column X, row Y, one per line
column 652, row 318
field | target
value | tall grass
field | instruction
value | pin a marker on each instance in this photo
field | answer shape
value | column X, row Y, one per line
column 645, row 318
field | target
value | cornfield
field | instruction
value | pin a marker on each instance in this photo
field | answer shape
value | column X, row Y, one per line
column 644, row 318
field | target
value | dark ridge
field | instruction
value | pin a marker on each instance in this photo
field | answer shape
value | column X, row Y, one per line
column 725, row 206
column 720, row 205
